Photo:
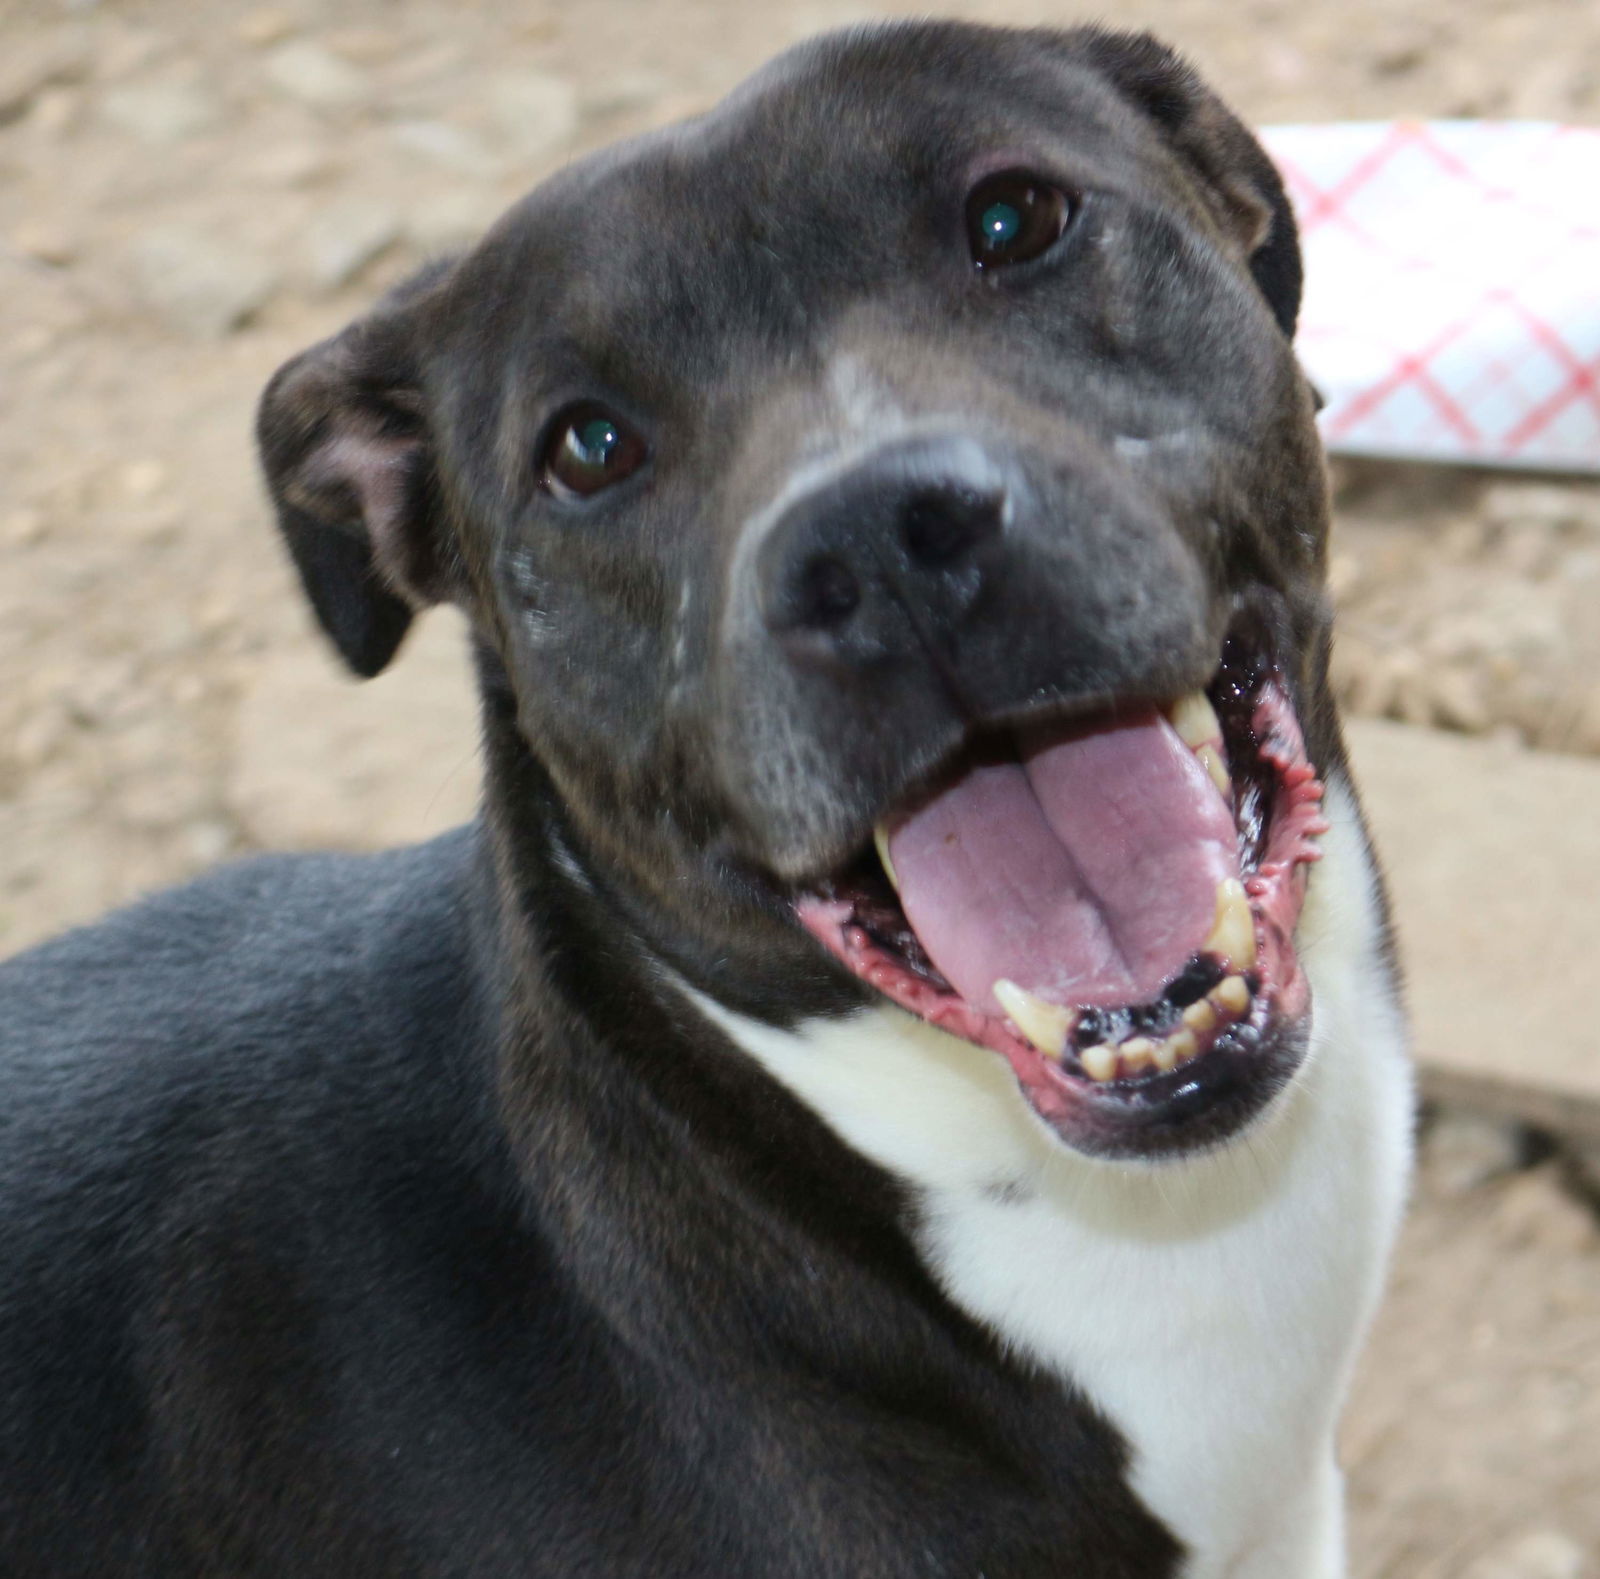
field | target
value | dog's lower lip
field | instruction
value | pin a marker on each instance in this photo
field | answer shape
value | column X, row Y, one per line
column 1216, row 1026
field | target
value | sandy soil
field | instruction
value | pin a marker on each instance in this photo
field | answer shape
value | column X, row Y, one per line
column 190, row 194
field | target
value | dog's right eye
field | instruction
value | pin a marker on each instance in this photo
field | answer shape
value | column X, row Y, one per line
column 590, row 449
column 1014, row 217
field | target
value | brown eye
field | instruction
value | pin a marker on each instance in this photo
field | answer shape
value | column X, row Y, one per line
column 1014, row 217
column 590, row 449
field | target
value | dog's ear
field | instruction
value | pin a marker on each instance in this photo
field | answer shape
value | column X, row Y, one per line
column 1217, row 146
column 348, row 459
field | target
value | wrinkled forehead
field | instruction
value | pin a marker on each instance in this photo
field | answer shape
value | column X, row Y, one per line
column 809, row 189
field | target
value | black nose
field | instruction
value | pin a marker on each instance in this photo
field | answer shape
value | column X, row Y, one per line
column 890, row 555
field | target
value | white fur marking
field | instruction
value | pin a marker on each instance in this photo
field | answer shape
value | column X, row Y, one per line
column 680, row 640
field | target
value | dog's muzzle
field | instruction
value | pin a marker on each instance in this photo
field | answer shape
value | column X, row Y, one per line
column 1110, row 903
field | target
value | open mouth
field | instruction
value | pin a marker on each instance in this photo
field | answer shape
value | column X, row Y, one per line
column 1108, row 903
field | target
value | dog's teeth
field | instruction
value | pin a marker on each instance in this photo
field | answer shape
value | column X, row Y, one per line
column 1232, row 994
column 1211, row 761
column 1199, row 729
column 880, row 838
column 1099, row 1062
column 1200, row 1017
column 1233, row 932
column 1177, row 1049
column 1195, row 720
column 1138, row 1053
column 1044, row 1024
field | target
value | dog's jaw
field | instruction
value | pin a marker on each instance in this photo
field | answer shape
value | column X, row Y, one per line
column 1211, row 1307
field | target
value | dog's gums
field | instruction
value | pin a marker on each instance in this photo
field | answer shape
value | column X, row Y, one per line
column 1014, row 904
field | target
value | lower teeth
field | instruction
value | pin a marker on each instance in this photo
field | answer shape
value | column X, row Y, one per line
column 1233, row 931
column 1051, row 1029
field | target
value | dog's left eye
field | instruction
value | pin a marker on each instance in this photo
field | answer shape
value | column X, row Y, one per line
column 590, row 449
column 1014, row 217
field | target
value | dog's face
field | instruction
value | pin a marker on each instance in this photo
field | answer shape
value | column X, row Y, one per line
column 894, row 505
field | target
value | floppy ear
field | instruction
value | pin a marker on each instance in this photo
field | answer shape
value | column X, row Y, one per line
column 348, row 460
column 1216, row 144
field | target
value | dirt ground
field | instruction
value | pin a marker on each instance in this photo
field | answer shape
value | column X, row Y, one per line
column 189, row 194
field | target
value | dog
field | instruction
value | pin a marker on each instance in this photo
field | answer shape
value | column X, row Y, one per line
column 905, row 1076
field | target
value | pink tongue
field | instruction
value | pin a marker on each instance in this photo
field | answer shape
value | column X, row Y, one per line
column 1086, row 872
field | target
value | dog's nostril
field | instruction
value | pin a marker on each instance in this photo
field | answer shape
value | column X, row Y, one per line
column 829, row 591
column 940, row 524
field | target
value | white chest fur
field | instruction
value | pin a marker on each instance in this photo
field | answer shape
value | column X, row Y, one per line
column 1210, row 1308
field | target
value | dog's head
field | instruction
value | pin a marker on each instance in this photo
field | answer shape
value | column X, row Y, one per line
column 894, row 505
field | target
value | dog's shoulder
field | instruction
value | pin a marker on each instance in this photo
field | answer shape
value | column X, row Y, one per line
column 266, row 955
column 244, row 1168
column 255, row 1039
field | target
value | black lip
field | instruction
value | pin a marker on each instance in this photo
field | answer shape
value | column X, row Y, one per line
column 1198, row 1105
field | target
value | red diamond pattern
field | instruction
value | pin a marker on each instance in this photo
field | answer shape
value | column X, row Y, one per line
column 1452, row 304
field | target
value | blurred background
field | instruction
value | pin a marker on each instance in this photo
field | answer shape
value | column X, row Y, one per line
column 189, row 193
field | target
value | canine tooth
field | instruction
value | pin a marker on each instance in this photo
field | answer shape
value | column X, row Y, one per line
column 1233, row 932
column 1195, row 720
column 1211, row 761
column 1200, row 1017
column 1099, row 1062
column 1177, row 1049
column 1231, row 994
column 1044, row 1024
column 1138, row 1052
column 880, row 837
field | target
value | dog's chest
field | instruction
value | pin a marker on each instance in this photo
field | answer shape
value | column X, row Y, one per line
column 1209, row 1313
column 1213, row 1326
